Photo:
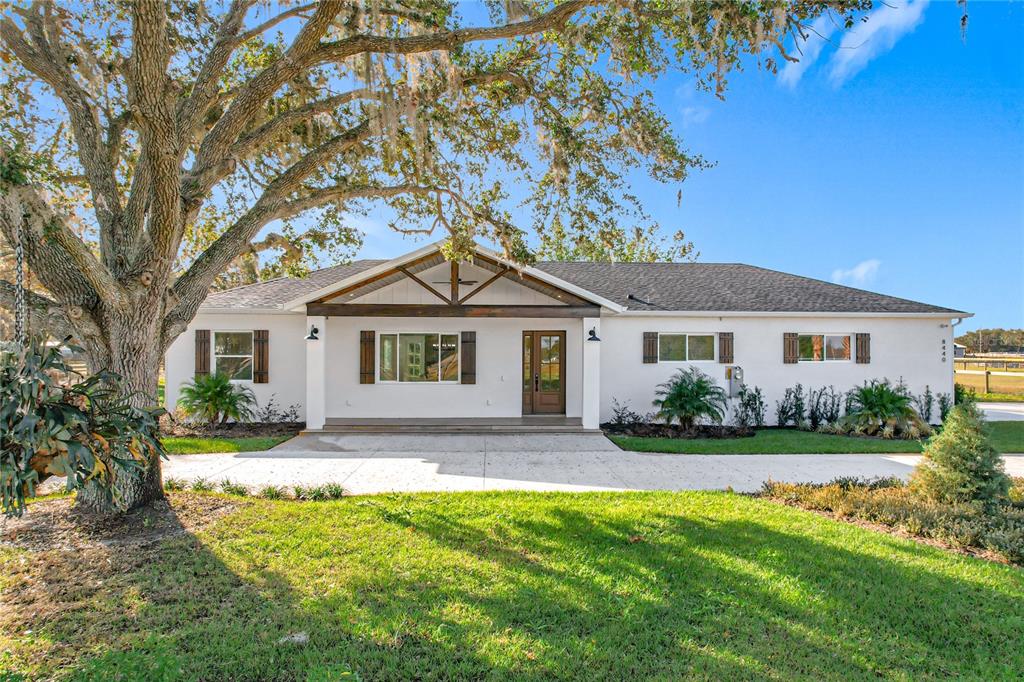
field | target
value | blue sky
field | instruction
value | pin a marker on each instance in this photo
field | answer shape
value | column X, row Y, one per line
column 893, row 161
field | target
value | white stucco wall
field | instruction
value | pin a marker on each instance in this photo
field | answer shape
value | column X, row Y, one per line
column 287, row 356
column 910, row 348
column 498, row 388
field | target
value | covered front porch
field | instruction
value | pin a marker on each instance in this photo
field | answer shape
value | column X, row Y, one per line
column 421, row 344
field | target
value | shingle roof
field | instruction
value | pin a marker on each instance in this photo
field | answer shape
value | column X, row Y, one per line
column 275, row 292
column 725, row 287
column 732, row 287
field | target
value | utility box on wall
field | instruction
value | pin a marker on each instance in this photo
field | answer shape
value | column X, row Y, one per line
column 734, row 378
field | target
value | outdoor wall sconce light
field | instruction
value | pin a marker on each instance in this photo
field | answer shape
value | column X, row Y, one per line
column 313, row 331
column 593, row 335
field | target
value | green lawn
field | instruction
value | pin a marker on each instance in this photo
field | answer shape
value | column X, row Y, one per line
column 605, row 586
column 195, row 446
column 1006, row 436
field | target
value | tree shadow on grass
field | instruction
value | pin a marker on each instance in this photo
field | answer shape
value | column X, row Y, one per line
column 491, row 587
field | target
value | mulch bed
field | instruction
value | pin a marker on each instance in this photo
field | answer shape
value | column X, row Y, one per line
column 180, row 429
column 676, row 431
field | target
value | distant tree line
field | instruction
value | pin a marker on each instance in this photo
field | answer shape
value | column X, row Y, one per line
column 993, row 341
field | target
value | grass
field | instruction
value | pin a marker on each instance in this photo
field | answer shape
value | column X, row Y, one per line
column 999, row 397
column 195, row 446
column 600, row 586
column 997, row 383
column 1006, row 436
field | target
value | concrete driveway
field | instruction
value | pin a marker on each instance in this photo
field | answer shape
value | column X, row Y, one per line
column 573, row 462
column 1003, row 412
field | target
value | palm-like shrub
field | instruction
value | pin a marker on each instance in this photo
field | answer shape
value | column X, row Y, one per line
column 689, row 396
column 214, row 398
column 87, row 431
column 879, row 409
column 960, row 464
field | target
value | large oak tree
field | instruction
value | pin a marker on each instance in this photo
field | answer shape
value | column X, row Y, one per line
column 148, row 143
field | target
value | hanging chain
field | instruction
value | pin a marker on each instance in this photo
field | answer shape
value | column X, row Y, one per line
column 20, row 304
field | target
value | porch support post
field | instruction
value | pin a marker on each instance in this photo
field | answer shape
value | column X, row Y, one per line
column 591, row 374
column 316, row 373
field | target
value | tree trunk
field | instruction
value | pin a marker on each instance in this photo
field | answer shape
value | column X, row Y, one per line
column 133, row 351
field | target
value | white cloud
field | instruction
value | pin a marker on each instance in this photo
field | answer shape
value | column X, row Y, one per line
column 695, row 115
column 883, row 29
column 807, row 50
column 860, row 274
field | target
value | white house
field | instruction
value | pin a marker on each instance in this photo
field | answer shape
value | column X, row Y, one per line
column 491, row 344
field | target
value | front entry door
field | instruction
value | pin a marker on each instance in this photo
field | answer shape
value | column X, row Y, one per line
column 543, row 372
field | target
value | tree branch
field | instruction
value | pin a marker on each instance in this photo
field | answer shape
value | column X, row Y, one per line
column 44, row 314
column 274, row 21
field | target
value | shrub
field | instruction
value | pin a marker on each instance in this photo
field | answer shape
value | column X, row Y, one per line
column 86, row 431
column 960, row 465
column 750, row 408
column 925, row 404
column 201, row 485
column 963, row 525
column 172, row 484
column 689, row 396
column 214, row 398
column 824, row 406
column 230, row 488
column 963, row 395
column 272, row 413
column 879, row 409
column 791, row 409
column 945, row 405
column 334, row 491
column 272, row 492
column 623, row 415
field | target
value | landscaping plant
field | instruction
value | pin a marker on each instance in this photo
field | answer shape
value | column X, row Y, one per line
column 215, row 399
column 689, row 396
column 960, row 464
column 824, row 406
column 925, row 404
column 877, row 408
column 750, row 407
column 945, row 405
column 791, row 409
column 87, row 431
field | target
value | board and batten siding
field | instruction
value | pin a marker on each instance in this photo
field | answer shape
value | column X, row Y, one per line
column 910, row 348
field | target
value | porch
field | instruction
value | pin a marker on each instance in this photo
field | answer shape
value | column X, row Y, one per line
column 458, row 425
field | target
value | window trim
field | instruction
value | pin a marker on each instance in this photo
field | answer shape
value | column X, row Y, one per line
column 397, row 380
column 714, row 347
column 252, row 353
column 824, row 347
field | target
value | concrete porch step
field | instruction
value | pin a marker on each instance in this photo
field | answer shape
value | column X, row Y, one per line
column 539, row 424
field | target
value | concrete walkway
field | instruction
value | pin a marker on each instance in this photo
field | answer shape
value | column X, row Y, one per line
column 404, row 463
column 1003, row 412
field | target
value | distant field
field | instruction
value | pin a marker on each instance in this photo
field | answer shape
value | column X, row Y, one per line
column 996, row 383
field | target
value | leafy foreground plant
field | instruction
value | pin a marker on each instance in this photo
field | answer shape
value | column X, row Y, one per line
column 878, row 409
column 889, row 502
column 960, row 464
column 688, row 396
column 87, row 431
column 215, row 399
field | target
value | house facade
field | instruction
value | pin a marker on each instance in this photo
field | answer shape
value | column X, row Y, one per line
column 420, row 341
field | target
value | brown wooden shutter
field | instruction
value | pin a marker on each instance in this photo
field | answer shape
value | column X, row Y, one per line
column 366, row 356
column 202, row 352
column 467, row 361
column 261, row 356
column 790, row 348
column 650, row 347
column 725, row 347
column 863, row 349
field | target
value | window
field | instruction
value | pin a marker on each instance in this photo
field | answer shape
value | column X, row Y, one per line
column 824, row 347
column 683, row 347
column 417, row 358
column 232, row 355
